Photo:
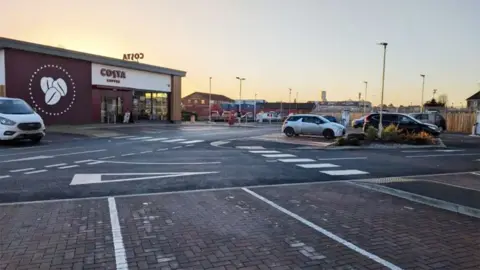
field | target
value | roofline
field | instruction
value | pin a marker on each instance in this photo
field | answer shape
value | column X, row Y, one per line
column 6, row 43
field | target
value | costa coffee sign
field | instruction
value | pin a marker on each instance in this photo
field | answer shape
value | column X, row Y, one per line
column 119, row 77
column 113, row 75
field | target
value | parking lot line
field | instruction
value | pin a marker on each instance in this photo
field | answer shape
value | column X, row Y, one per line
column 319, row 229
column 278, row 155
column 119, row 248
column 34, row 172
column 317, row 166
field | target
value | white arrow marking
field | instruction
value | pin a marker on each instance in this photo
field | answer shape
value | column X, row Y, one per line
column 96, row 178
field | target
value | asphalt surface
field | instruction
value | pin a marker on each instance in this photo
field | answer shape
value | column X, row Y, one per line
column 196, row 197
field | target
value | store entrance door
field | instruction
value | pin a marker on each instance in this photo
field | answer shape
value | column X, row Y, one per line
column 111, row 109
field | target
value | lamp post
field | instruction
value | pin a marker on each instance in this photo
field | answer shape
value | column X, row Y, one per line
column 210, row 101
column 255, row 109
column 380, row 125
column 296, row 103
column 240, row 101
column 365, row 98
column 423, row 89
column 289, row 99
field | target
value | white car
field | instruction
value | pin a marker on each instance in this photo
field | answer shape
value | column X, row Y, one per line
column 311, row 124
column 18, row 121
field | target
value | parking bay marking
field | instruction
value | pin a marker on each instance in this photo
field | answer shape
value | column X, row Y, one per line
column 47, row 157
column 96, row 178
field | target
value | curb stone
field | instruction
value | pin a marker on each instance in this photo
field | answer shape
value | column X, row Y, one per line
column 457, row 208
column 393, row 146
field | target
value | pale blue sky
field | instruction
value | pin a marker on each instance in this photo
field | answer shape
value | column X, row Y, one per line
column 307, row 45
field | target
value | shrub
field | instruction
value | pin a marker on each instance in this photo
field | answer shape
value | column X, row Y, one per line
column 391, row 134
column 371, row 134
column 348, row 141
column 421, row 138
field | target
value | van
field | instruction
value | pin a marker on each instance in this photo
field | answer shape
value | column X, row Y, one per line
column 18, row 121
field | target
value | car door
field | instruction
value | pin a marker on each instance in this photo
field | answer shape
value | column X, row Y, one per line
column 308, row 125
column 319, row 126
column 408, row 124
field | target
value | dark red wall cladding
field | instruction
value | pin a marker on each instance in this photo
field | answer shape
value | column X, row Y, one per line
column 58, row 88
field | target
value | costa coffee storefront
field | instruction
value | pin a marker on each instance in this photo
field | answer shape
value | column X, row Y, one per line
column 67, row 87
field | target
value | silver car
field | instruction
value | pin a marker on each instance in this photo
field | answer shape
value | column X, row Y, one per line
column 311, row 124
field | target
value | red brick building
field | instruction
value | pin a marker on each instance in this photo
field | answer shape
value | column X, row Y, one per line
column 198, row 102
column 69, row 87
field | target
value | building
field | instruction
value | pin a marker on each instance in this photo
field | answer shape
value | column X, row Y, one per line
column 473, row 102
column 197, row 102
column 324, row 96
column 69, row 87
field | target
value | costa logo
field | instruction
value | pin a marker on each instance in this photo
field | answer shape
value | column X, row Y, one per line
column 113, row 73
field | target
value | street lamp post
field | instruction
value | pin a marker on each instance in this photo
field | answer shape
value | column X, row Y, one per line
column 240, row 101
column 210, row 100
column 380, row 125
column 296, row 103
column 289, row 99
column 255, row 109
column 365, row 98
column 423, row 89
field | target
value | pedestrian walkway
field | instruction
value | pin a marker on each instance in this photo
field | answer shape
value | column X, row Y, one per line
column 306, row 163
column 156, row 139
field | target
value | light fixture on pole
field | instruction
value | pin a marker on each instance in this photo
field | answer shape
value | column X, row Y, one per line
column 289, row 99
column 210, row 101
column 423, row 89
column 365, row 98
column 240, row 101
column 434, row 92
column 380, row 125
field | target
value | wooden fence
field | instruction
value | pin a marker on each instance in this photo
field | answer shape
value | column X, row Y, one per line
column 456, row 121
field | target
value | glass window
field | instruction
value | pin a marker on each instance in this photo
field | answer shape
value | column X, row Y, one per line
column 15, row 106
column 405, row 120
column 293, row 118
column 189, row 101
column 202, row 101
column 195, row 101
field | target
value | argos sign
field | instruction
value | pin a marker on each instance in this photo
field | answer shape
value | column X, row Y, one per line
column 117, row 77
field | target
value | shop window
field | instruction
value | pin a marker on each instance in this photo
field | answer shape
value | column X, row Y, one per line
column 195, row 101
column 189, row 101
column 202, row 101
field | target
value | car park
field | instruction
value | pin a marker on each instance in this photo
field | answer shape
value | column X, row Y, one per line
column 18, row 121
column 404, row 122
column 311, row 124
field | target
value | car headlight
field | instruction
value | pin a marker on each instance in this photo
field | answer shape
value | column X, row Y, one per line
column 6, row 122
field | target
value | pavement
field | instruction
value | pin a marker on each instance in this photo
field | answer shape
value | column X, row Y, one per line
column 204, row 197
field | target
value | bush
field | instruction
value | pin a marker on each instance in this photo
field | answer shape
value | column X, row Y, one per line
column 422, row 138
column 391, row 134
column 348, row 141
column 371, row 134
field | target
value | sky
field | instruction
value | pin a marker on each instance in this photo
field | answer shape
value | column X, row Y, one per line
column 305, row 45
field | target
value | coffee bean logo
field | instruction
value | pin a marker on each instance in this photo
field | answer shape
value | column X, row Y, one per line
column 54, row 90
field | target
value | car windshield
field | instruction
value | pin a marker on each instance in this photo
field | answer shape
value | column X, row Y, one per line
column 410, row 117
column 15, row 106
column 324, row 119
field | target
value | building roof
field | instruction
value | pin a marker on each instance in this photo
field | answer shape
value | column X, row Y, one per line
column 475, row 96
column 216, row 97
column 6, row 43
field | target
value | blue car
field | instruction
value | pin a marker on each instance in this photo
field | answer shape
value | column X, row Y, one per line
column 358, row 123
column 330, row 118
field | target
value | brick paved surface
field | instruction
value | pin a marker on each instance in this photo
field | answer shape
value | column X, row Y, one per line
column 224, row 230
column 410, row 235
column 466, row 180
column 66, row 235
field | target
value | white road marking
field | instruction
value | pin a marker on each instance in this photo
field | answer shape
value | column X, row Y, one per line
column 346, row 158
column 444, row 155
column 324, row 232
column 39, row 151
column 110, row 157
column 430, row 150
column 79, row 153
column 318, row 165
column 4, row 176
column 174, row 140
column 126, row 155
column 189, row 145
column 194, row 141
column 123, row 137
column 118, row 247
column 55, row 165
column 250, row 147
column 162, row 149
column 95, row 162
column 278, row 155
column 82, row 161
column 22, row 170
column 26, row 159
column 68, row 167
column 298, row 160
column 264, row 152
column 139, row 138
column 145, row 152
column 218, row 143
column 176, row 147
column 96, row 178
column 156, row 139
column 33, row 172
column 163, row 163
column 344, row 172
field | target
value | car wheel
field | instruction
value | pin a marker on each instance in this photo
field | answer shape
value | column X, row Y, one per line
column 36, row 140
column 328, row 134
column 289, row 132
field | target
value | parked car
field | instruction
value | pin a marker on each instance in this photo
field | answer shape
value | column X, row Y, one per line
column 435, row 118
column 404, row 122
column 330, row 118
column 18, row 121
column 358, row 123
column 311, row 124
